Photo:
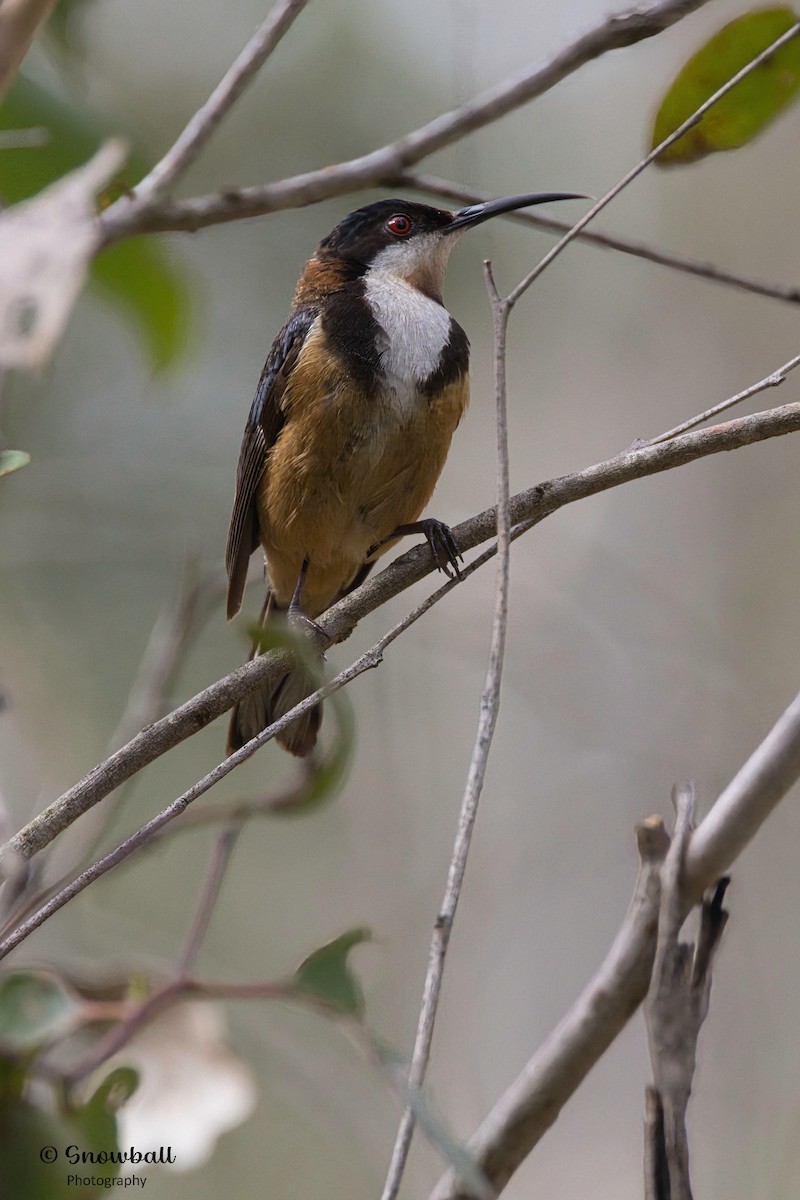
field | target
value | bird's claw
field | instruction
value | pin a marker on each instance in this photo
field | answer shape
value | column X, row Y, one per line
column 443, row 546
column 303, row 624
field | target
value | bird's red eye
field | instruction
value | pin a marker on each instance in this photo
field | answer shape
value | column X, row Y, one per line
column 400, row 225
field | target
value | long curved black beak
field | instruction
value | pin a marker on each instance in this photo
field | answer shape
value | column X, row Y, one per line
column 475, row 213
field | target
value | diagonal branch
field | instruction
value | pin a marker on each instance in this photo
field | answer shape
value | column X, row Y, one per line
column 527, row 508
column 674, row 1011
column 20, row 21
column 774, row 379
column 224, row 846
column 745, row 804
column 132, row 215
column 670, row 1012
column 533, row 1101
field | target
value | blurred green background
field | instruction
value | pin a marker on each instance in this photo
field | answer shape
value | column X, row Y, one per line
column 653, row 629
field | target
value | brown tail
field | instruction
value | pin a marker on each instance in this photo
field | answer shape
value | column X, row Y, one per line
column 273, row 700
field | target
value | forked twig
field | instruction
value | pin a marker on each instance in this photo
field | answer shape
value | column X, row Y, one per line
column 674, row 1010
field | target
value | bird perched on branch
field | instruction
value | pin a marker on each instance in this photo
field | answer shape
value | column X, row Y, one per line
column 350, row 426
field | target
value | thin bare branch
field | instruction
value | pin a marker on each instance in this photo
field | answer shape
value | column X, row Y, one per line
column 177, row 990
column 19, row 22
column 122, row 1032
column 774, row 380
column 527, row 509
column 130, row 216
column 191, row 142
column 629, row 177
column 489, row 707
column 220, row 858
column 435, row 186
column 242, row 810
column 674, row 1011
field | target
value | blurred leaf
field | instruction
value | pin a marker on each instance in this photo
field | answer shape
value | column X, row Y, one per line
column 750, row 106
column 326, row 976
column 97, row 1120
column 72, row 139
column 138, row 275
column 32, row 1144
column 12, row 460
column 13, row 1075
column 27, row 1135
column 34, row 1008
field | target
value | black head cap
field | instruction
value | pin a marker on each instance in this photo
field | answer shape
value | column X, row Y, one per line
column 362, row 233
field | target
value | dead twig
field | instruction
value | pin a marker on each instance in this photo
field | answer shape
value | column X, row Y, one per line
column 674, row 1010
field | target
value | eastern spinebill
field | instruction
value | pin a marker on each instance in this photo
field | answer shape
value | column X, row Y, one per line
column 350, row 426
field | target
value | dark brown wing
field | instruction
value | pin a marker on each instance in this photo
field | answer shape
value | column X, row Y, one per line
column 261, row 432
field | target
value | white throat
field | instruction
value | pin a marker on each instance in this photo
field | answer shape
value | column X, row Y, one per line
column 416, row 326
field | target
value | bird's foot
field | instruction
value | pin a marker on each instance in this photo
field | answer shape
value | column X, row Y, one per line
column 300, row 623
column 442, row 542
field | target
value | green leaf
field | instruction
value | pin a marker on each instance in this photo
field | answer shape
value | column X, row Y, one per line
column 12, row 460
column 34, row 1008
column 747, row 108
column 97, row 1120
column 72, row 139
column 326, row 977
column 33, row 1165
column 13, row 1076
column 27, row 1137
column 137, row 275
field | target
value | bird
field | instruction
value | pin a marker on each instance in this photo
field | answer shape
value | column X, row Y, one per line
column 350, row 427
